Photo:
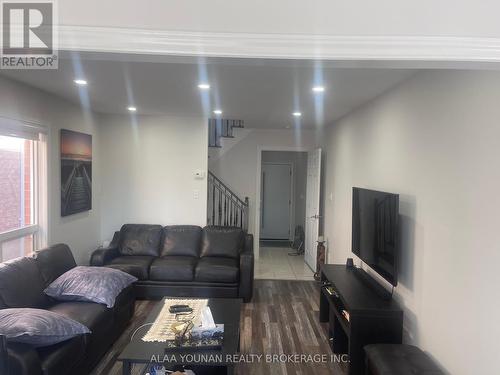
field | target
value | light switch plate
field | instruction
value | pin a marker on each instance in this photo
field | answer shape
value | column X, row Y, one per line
column 199, row 174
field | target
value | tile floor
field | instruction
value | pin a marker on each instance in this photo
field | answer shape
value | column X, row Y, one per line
column 274, row 263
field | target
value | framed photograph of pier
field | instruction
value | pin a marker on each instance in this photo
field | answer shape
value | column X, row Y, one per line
column 76, row 172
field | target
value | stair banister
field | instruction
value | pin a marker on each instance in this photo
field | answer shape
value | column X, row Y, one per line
column 224, row 207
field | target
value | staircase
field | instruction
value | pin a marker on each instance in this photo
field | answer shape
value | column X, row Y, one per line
column 224, row 207
column 221, row 128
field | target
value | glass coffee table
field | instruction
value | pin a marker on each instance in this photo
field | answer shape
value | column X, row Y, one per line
column 201, row 361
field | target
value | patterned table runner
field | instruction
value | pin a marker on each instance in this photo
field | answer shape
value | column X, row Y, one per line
column 161, row 330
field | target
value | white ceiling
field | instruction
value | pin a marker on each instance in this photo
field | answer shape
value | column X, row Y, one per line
column 262, row 93
column 443, row 18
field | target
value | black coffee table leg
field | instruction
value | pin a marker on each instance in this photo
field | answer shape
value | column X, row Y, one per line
column 127, row 368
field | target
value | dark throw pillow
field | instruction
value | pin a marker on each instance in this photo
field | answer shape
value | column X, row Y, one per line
column 90, row 284
column 38, row 327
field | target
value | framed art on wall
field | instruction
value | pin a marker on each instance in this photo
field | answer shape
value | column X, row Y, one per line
column 76, row 172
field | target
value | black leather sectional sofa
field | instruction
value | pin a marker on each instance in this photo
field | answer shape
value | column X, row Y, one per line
column 22, row 282
column 182, row 260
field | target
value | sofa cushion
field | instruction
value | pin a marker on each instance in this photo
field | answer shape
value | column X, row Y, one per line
column 54, row 261
column 222, row 242
column 125, row 298
column 137, row 266
column 173, row 268
column 140, row 239
column 102, row 323
column 98, row 318
column 22, row 359
column 217, row 270
column 182, row 240
column 62, row 358
column 395, row 359
column 21, row 284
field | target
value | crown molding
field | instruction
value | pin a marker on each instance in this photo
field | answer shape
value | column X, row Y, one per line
column 278, row 46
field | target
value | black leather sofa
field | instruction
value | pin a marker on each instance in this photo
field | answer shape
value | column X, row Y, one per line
column 22, row 282
column 398, row 359
column 182, row 260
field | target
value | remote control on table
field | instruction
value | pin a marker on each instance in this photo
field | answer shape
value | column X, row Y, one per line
column 175, row 309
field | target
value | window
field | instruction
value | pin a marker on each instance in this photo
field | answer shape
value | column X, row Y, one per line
column 22, row 189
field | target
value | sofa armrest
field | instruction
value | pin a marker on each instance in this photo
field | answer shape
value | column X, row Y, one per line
column 4, row 363
column 21, row 359
column 103, row 256
column 246, row 269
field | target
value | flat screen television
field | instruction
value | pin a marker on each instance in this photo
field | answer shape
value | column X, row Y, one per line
column 375, row 228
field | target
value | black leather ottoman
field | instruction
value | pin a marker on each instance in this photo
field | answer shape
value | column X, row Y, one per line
column 393, row 359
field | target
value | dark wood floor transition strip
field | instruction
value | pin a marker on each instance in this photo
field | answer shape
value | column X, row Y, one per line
column 282, row 319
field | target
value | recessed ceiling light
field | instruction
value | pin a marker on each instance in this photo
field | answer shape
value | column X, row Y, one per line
column 204, row 86
column 132, row 109
column 218, row 112
column 80, row 82
column 318, row 89
column 297, row 114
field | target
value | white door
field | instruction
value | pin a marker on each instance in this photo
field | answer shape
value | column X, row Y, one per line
column 275, row 201
column 312, row 206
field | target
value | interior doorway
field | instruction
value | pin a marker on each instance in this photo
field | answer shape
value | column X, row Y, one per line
column 276, row 201
column 283, row 184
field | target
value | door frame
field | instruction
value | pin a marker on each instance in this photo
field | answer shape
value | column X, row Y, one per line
column 291, row 218
column 260, row 149
column 316, row 233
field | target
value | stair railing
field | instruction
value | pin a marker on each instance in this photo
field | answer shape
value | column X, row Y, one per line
column 224, row 207
column 221, row 128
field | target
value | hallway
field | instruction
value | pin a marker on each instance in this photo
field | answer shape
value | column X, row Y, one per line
column 274, row 263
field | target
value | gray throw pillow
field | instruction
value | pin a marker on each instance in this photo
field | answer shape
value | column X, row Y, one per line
column 38, row 327
column 90, row 284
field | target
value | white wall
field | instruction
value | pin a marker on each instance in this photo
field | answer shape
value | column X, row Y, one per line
column 148, row 168
column 237, row 167
column 343, row 18
column 435, row 141
column 298, row 160
column 80, row 231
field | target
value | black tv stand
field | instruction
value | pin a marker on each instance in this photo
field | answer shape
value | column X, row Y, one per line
column 372, row 318
column 373, row 284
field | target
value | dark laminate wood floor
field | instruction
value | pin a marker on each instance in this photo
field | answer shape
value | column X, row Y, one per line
column 282, row 318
